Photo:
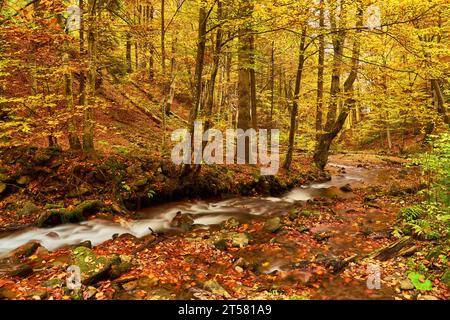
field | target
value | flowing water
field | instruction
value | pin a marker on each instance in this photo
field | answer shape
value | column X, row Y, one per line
column 212, row 212
column 158, row 218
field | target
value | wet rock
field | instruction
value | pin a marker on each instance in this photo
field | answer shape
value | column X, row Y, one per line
column 23, row 180
column 239, row 269
column 119, row 268
column 26, row 250
column 86, row 244
column 38, row 294
column 41, row 251
column 273, row 224
column 406, row 284
column 54, row 217
column 28, row 209
column 221, row 244
column 346, row 188
column 239, row 240
column 214, row 287
column 53, row 235
column 302, row 228
column 182, row 221
column 22, row 271
column 89, row 293
column 131, row 285
column 240, row 262
column 141, row 182
column 54, row 283
column 93, row 268
column 322, row 235
column 231, row 223
column 293, row 215
column 446, row 278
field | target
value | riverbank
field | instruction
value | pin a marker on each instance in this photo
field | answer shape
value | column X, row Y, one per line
column 47, row 187
column 315, row 249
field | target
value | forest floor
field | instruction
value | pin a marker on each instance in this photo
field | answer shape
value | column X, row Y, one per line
column 315, row 249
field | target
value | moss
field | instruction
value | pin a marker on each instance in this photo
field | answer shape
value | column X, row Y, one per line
column 92, row 267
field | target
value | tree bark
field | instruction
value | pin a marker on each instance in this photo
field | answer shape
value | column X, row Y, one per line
column 253, row 82
column 333, row 127
column 320, row 69
column 439, row 98
column 88, row 130
column 294, row 110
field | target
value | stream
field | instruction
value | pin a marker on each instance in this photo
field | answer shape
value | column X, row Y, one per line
column 158, row 218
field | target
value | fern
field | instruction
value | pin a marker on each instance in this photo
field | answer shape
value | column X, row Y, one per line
column 410, row 214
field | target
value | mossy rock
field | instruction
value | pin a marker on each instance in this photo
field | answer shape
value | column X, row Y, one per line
column 446, row 278
column 26, row 250
column 23, row 180
column 54, row 283
column 119, row 268
column 273, row 224
column 92, row 267
column 22, row 271
column 28, row 209
column 57, row 216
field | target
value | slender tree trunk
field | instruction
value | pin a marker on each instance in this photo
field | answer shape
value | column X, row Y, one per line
column 253, row 82
column 294, row 110
column 320, row 69
column 74, row 142
column 128, row 53
column 439, row 99
column 151, row 63
column 163, row 39
column 172, row 85
column 88, row 130
column 215, row 69
column 82, row 82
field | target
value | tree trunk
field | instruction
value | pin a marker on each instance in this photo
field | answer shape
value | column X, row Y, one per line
column 439, row 98
column 88, row 130
column 320, row 69
column 173, row 66
column 294, row 110
column 128, row 53
column 333, row 127
column 163, row 39
column 214, row 69
column 253, row 82
column 74, row 142
column 151, row 63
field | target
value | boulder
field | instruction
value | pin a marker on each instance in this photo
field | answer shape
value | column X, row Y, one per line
column 214, row 287
column 446, row 278
column 54, row 283
column 273, row 224
column 346, row 188
column 406, row 284
column 92, row 267
column 239, row 240
column 28, row 209
column 95, row 268
column 54, row 217
column 26, row 250
column 22, row 271
column 182, row 221
column 23, row 180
